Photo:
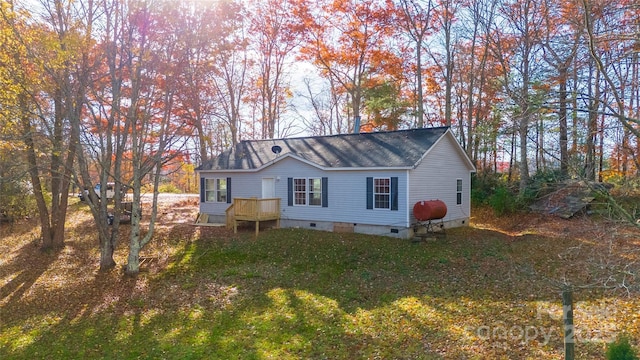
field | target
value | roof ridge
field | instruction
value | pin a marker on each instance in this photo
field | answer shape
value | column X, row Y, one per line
column 346, row 134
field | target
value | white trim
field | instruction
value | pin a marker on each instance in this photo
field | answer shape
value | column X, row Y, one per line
column 459, row 150
column 293, row 184
column 409, row 211
column 378, row 168
column 307, row 191
column 216, row 190
column 388, row 194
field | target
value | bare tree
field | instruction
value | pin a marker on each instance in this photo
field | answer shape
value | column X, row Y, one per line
column 521, row 41
column 323, row 117
column 415, row 19
column 273, row 43
column 612, row 40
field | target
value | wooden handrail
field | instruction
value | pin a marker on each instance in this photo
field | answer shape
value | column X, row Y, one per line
column 230, row 215
column 253, row 209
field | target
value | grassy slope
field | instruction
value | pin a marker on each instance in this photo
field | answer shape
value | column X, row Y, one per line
column 488, row 291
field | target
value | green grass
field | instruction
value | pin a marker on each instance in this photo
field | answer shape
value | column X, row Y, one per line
column 295, row 294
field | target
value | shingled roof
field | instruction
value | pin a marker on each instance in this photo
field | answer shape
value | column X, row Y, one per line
column 391, row 149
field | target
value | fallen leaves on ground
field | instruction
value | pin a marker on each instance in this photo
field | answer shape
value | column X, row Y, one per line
column 488, row 291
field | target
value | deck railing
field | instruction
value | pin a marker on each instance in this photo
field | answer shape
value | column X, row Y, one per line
column 253, row 209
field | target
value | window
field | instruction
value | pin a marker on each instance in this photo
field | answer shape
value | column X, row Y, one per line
column 300, row 191
column 315, row 192
column 459, row 191
column 308, row 191
column 381, row 193
column 216, row 190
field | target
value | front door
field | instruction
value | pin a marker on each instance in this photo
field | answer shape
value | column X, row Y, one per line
column 268, row 188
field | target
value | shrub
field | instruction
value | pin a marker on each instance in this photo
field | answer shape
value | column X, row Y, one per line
column 503, row 201
column 17, row 200
column 166, row 187
column 483, row 186
column 621, row 349
column 169, row 188
column 494, row 190
column 542, row 183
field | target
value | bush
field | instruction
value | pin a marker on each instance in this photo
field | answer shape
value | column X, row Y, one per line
column 493, row 190
column 502, row 195
column 483, row 186
column 169, row 188
column 503, row 201
column 541, row 183
column 17, row 200
column 166, row 187
column 621, row 349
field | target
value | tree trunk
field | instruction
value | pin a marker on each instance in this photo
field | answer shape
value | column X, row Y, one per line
column 133, row 260
column 106, row 255
column 32, row 160
column 562, row 118
column 135, row 244
column 512, row 157
column 524, row 162
column 574, row 111
column 592, row 128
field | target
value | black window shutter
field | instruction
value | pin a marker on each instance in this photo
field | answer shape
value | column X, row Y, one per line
column 394, row 193
column 325, row 192
column 202, row 190
column 290, row 191
column 228, row 190
column 369, row 193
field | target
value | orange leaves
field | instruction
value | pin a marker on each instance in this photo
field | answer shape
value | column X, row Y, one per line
column 353, row 45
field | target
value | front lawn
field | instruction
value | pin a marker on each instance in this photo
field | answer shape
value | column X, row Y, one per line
column 487, row 291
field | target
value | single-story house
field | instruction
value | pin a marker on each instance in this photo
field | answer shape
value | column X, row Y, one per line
column 365, row 183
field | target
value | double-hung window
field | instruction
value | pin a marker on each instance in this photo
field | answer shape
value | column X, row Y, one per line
column 308, row 192
column 382, row 193
column 300, row 191
column 216, row 190
column 315, row 191
column 459, row 191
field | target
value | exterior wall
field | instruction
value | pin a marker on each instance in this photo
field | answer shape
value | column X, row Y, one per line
column 435, row 179
column 346, row 195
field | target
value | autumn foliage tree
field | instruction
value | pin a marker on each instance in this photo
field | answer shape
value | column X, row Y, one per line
column 50, row 73
column 274, row 42
column 195, row 98
column 349, row 42
column 13, row 80
column 138, row 126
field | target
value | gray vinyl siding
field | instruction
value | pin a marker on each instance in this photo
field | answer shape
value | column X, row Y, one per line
column 346, row 193
column 435, row 179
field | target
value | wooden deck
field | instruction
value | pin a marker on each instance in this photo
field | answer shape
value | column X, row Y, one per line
column 253, row 209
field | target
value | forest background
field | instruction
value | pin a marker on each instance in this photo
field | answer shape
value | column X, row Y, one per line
column 140, row 92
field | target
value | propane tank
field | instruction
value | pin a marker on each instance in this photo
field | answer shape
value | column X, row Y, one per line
column 429, row 210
